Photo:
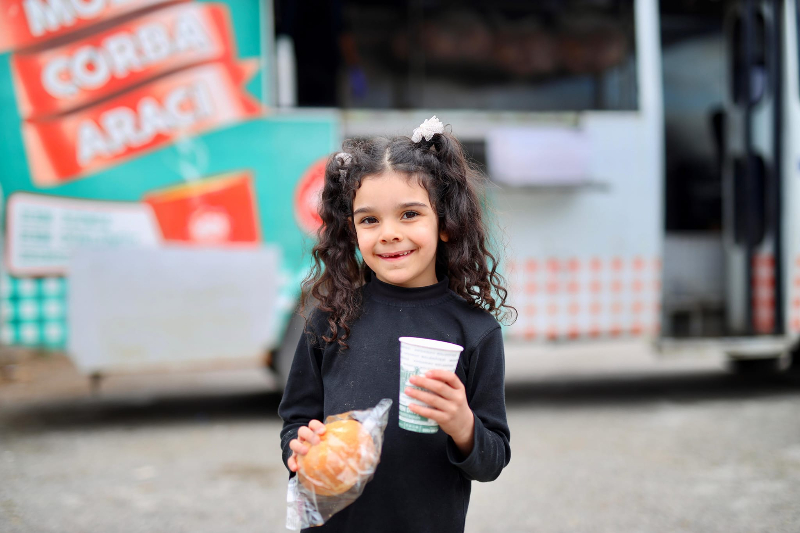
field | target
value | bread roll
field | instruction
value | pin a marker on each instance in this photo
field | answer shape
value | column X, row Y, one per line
column 334, row 465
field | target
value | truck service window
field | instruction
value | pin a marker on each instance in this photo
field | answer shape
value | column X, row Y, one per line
column 569, row 55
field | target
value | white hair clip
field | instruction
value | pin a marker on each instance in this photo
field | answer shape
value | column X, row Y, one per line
column 343, row 158
column 427, row 129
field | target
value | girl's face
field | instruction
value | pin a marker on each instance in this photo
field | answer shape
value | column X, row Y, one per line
column 397, row 229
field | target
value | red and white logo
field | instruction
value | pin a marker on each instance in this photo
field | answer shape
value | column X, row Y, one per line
column 210, row 225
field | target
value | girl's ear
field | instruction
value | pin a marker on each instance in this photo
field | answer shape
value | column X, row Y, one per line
column 443, row 236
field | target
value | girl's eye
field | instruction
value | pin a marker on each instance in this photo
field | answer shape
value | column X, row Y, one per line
column 369, row 220
column 410, row 214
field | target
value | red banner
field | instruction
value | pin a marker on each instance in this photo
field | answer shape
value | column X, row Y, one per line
column 63, row 78
column 188, row 102
column 24, row 23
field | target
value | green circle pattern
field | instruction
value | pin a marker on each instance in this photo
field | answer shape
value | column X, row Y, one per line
column 33, row 312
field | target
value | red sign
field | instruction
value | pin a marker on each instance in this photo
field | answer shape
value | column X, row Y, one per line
column 191, row 101
column 307, row 196
column 27, row 22
column 99, row 65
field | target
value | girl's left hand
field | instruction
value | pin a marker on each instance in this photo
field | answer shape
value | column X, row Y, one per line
column 447, row 399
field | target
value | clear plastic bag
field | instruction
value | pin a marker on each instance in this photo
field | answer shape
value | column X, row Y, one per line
column 333, row 473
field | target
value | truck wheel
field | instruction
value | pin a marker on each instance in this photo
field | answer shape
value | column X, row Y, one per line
column 755, row 367
column 793, row 368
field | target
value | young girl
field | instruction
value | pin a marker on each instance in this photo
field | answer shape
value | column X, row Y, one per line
column 403, row 252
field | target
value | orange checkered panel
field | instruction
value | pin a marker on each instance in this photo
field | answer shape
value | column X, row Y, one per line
column 571, row 298
column 794, row 298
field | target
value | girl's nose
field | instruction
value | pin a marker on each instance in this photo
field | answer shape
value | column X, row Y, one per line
column 390, row 233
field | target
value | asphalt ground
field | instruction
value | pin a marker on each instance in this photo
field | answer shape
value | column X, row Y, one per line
column 609, row 440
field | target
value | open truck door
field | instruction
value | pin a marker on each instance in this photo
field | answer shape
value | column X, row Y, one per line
column 754, row 251
column 757, row 255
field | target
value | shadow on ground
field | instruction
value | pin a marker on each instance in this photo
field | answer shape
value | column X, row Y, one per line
column 561, row 392
column 628, row 389
column 104, row 412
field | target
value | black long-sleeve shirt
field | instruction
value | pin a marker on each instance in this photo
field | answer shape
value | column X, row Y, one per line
column 423, row 482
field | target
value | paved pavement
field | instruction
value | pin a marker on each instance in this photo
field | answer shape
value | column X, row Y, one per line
column 603, row 440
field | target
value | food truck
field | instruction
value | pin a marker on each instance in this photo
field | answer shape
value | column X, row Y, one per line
column 155, row 210
column 162, row 162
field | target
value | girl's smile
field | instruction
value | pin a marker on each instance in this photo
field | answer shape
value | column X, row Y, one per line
column 396, row 255
column 397, row 229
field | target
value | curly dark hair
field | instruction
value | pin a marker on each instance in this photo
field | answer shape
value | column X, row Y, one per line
column 455, row 189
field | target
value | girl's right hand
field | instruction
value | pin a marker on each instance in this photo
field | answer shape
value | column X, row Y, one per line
column 306, row 437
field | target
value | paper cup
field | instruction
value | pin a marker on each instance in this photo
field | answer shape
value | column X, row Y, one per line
column 418, row 356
